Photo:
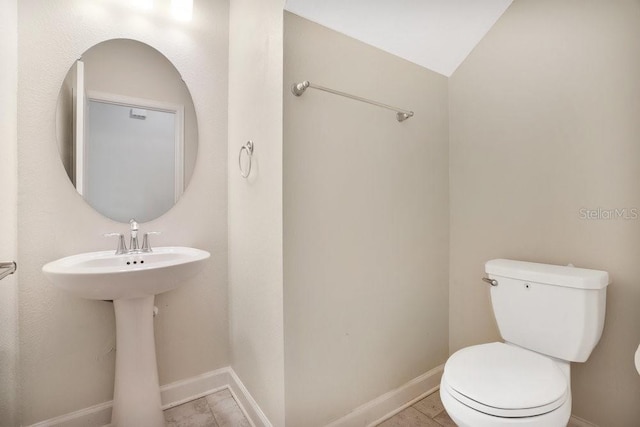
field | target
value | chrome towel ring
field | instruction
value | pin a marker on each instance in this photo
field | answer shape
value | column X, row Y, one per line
column 248, row 148
column 8, row 267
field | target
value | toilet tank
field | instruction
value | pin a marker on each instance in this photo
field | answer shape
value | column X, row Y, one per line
column 551, row 309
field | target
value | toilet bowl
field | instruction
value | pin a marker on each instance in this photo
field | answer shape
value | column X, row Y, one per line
column 549, row 316
column 499, row 384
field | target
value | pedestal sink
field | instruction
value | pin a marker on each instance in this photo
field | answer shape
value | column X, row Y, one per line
column 131, row 281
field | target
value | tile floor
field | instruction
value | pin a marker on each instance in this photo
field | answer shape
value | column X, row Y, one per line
column 221, row 410
column 215, row 410
column 427, row 412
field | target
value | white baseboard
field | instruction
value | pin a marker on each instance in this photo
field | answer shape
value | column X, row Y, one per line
column 97, row 415
column 182, row 391
column 249, row 406
column 179, row 392
column 173, row 394
column 389, row 404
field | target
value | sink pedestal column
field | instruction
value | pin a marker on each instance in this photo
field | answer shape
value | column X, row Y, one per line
column 136, row 400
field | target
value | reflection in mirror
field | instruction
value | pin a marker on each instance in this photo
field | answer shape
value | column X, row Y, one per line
column 127, row 130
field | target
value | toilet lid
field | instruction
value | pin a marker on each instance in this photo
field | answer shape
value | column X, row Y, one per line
column 505, row 380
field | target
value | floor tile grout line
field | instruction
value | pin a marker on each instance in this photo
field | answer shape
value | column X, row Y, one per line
column 432, row 417
column 213, row 414
column 434, row 402
column 217, row 417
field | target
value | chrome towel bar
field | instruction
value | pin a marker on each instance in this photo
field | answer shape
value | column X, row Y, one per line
column 401, row 114
column 8, row 267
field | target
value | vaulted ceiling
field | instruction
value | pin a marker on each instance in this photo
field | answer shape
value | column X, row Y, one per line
column 436, row 34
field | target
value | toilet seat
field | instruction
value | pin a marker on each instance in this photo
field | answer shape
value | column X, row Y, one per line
column 504, row 380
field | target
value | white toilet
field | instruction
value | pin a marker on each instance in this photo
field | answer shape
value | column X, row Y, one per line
column 549, row 316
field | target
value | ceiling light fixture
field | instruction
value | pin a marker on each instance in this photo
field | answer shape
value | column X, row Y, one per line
column 143, row 4
column 182, row 9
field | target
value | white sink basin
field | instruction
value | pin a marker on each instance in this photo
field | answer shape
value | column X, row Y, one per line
column 131, row 281
column 106, row 276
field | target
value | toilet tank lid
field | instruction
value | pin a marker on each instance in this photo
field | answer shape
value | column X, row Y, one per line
column 559, row 275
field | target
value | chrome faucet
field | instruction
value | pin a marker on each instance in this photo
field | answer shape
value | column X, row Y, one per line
column 133, row 241
column 134, row 247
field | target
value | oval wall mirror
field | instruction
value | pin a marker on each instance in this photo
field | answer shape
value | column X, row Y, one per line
column 127, row 130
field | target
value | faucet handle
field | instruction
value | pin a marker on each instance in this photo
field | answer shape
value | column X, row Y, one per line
column 146, row 246
column 133, row 240
column 122, row 248
column 134, row 226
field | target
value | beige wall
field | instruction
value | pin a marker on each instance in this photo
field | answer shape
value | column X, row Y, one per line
column 8, row 213
column 255, row 205
column 365, row 224
column 544, row 122
column 66, row 343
